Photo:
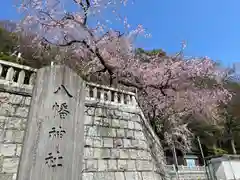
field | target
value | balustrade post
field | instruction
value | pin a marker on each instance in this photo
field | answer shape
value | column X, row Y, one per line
column 128, row 99
column 10, row 74
column 32, row 79
column 95, row 92
column 87, row 90
column 21, row 77
column 115, row 97
column 134, row 102
column 102, row 94
column 122, row 98
column 1, row 69
column 109, row 95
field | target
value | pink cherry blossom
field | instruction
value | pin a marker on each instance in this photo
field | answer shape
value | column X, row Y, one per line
column 169, row 87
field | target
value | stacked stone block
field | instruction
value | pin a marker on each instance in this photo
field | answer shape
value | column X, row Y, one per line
column 116, row 147
column 13, row 117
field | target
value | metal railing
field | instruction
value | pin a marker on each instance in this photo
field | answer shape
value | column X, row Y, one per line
column 186, row 173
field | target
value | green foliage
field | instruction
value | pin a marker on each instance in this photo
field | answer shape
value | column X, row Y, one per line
column 219, row 151
column 160, row 52
column 7, row 57
column 8, row 41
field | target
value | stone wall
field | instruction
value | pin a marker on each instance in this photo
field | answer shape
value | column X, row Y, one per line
column 13, row 117
column 116, row 146
column 15, row 98
column 119, row 142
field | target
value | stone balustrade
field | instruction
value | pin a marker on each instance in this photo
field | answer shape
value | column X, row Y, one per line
column 24, row 76
column 109, row 95
column 15, row 73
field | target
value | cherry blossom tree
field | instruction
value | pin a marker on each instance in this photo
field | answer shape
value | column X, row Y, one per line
column 169, row 87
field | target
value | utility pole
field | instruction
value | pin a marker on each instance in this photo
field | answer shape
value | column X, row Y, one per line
column 175, row 159
column 201, row 150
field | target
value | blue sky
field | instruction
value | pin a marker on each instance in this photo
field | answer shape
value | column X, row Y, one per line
column 210, row 27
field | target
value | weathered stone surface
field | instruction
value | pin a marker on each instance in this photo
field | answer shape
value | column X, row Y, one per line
column 123, row 124
column 87, row 176
column 122, row 165
column 105, row 132
column 105, row 153
column 18, row 99
column 133, row 176
column 88, row 141
column 14, row 136
column 91, row 131
column 144, row 165
column 22, row 112
column 125, row 115
column 139, row 135
column 119, row 176
column 115, row 153
column 3, row 120
column 137, row 126
column 57, row 104
column 120, row 133
column 148, row 176
column 102, row 165
column 10, row 165
column 88, row 120
column 15, row 123
column 157, row 176
column 142, row 154
column 19, row 150
column 4, row 176
column 91, row 165
column 133, row 153
column 88, row 152
column 8, row 149
column 103, row 176
column 136, row 118
column 127, row 143
column 1, row 162
column 130, row 134
column 14, row 176
column 117, row 143
column 142, row 144
column 108, row 142
column 102, row 153
column 97, row 142
column 130, row 124
column 112, row 165
column 102, row 121
column 116, row 123
column 131, row 165
column 124, row 153
column 7, row 109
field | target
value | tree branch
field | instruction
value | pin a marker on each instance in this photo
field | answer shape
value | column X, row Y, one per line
column 85, row 9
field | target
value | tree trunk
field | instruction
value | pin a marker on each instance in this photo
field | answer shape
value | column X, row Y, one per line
column 214, row 146
column 233, row 146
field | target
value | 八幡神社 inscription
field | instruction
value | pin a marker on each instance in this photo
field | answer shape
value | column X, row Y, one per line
column 57, row 132
column 54, row 159
column 54, row 120
column 60, row 110
column 65, row 90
